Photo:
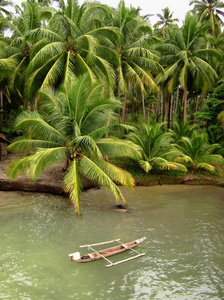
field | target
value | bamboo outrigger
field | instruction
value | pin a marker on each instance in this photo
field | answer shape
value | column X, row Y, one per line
column 103, row 254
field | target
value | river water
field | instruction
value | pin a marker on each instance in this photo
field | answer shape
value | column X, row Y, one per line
column 184, row 227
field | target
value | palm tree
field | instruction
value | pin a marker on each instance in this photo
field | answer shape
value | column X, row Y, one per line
column 157, row 148
column 199, row 154
column 135, row 60
column 210, row 10
column 8, row 64
column 29, row 16
column 165, row 19
column 71, row 127
column 184, row 56
column 68, row 45
column 182, row 129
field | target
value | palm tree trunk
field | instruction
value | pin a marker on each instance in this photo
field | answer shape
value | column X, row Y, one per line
column 194, row 109
column 163, row 105
column 168, row 111
column 124, row 107
column 119, row 110
column 171, row 111
column 177, row 99
column 185, row 105
column 133, row 103
column 202, row 103
column 1, row 110
column 1, row 122
column 143, row 106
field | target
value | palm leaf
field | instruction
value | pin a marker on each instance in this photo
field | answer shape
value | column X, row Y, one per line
column 93, row 172
column 169, row 166
column 119, row 148
column 18, row 167
column 72, row 182
column 44, row 158
column 33, row 122
column 21, row 145
column 145, row 165
column 206, row 167
column 117, row 174
column 55, row 73
column 87, row 144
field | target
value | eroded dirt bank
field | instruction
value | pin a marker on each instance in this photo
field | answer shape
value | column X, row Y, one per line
column 52, row 180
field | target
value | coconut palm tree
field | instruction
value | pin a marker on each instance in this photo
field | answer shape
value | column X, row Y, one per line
column 210, row 10
column 184, row 56
column 68, row 45
column 135, row 60
column 29, row 16
column 71, row 127
column 157, row 147
column 199, row 154
column 8, row 64
column 165, row 19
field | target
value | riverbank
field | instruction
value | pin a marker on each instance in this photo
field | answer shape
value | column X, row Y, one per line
column 51, row 180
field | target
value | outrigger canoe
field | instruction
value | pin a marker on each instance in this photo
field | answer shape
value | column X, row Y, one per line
column 95, row 255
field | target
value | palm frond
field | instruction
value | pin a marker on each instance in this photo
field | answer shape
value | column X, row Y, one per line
column 18, row 167
column 213, row 158
column 184, row 160
column 145, row 165
column 172, row 166
column 206, row 167
column 26, row 145
column 117, row 174
column 43, row 33
column 119, row 148
column 88, row 145
column 33, row 122
column 93, row 172
column 72, row 182
column 44, row 158
column 55, row 73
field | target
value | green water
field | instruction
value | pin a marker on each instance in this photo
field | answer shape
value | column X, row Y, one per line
column 184, row 226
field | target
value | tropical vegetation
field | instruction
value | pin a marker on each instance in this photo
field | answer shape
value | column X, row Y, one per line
column 88, row 84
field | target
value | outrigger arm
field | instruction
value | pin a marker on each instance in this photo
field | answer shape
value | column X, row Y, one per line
column 124, row 260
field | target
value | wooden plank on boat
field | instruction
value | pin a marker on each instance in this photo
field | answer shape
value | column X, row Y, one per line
column 98, row 244
column 100, row 254
column 124, row 260
column 128, row 248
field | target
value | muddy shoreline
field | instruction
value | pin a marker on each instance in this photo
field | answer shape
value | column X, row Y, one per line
column 51, row 180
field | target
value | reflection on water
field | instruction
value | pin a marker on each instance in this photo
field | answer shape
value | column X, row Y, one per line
column 184, row 226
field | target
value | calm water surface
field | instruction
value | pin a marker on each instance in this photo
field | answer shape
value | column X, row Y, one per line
column 184, row 226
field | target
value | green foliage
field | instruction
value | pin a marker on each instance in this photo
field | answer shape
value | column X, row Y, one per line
column 199, row 154
column 65, row 130
column 157, row 148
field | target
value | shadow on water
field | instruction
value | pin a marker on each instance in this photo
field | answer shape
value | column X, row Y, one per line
column 184, row 226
